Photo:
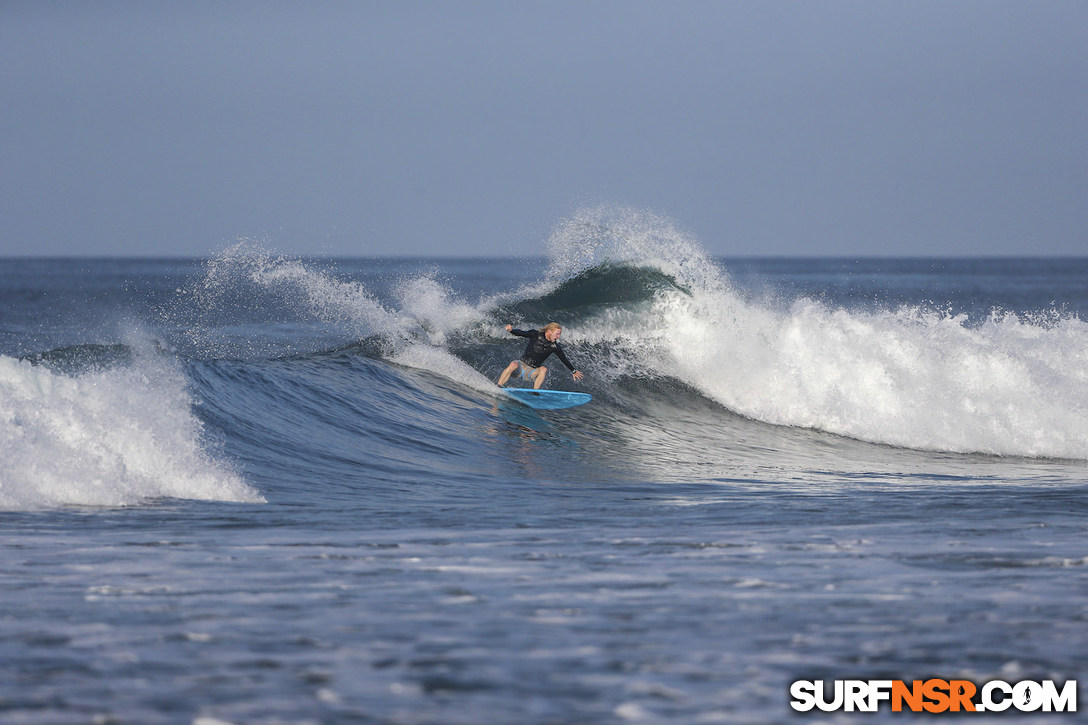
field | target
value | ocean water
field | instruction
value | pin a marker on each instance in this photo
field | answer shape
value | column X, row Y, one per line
column 266, row 489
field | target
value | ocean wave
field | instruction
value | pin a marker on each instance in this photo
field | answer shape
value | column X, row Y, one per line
column 911, row 377
column 640, row 299
column 114, row 437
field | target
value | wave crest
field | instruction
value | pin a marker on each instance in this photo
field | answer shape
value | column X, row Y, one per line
column 640, row 298
column 113, row 437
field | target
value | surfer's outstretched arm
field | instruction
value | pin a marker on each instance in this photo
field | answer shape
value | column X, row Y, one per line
column 520, row 333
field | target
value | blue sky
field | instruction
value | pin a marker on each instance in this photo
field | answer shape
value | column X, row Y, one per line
column 474, row 128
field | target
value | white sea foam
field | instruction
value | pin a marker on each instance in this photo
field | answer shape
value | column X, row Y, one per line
column 624, row 235
column 909, row 377
column 441, row 362
column 109, row 438
column 434, row 308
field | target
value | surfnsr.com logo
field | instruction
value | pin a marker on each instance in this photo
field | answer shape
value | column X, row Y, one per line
column 934, row 696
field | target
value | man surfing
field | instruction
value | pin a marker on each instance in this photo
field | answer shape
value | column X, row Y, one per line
column 542, row 343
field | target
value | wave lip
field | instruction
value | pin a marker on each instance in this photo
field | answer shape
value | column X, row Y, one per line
column 116, row 437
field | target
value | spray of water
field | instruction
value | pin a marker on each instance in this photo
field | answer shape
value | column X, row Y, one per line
column 115, row 437
column 912, row 377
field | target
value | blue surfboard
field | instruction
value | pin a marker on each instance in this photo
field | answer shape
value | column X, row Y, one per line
column 547, row 399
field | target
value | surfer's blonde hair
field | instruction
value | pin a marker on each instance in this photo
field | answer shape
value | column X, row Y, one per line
column 551, row 326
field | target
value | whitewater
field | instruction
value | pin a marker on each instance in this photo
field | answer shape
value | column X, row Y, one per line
column 267, row 488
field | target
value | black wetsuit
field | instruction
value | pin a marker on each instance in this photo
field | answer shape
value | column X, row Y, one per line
column 539, row 349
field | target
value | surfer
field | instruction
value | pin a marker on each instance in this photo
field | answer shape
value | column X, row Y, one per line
column 542, row 343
